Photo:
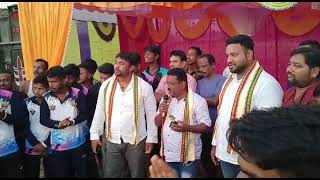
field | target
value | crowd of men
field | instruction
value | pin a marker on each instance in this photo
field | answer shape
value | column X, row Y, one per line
column 192, row 121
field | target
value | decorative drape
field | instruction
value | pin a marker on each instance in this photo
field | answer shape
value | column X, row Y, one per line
column 133, row 29
column 44, row 30
column 85, row 15
column 272, row 46
column 190, row 29
column 106, row 31
column 84, row 42
column 158, row 31
column 99, row 50
column 129, row 6
column 278, row 5
column 296, row 22
column 239, row 19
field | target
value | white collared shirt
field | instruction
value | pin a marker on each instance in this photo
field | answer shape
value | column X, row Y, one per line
column 267, row 93
column 122, row 120
column 172, row 139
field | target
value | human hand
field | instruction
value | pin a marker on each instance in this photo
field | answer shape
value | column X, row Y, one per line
column 39, row 148
column 160, row 169
column 149, row 147
column 95, row 144
column 179, row 126
column 214, row 159
column 65, row 123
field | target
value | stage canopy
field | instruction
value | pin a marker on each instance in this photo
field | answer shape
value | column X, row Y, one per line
column 45, row 26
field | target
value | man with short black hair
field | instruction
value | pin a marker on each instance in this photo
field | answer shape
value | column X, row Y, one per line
column 124, row 115
column 154, row 72
column 12, row 127
column 305, row 44
column 136, row 57
column 192, row 55
column 40, row 66
column 178, row 59
column 243, row 91
column 209, row 88
column 87, row 71
column 183, row 117
column 72, row 73
column 303, row 73
column 285, row 157
column 310, row 43
column 92, row 66
column 106, row 71
column 37, row 135
column 65, row 111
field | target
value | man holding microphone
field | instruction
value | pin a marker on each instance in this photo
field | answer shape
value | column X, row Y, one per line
column 183, row 117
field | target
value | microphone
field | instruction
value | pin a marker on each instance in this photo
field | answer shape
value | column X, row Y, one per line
column 165, row 100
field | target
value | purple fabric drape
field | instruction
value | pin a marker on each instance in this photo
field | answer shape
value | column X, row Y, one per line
column 84, row 42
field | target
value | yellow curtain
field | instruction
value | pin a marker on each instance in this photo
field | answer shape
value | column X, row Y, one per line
column 44, row 30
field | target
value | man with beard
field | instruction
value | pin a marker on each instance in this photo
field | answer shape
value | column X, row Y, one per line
column 306, row 43
column 248, row 87
column 209, row 88
column 40, row 67
column 303, row 72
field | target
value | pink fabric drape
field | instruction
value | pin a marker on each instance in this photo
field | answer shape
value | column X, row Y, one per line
column 272, row 47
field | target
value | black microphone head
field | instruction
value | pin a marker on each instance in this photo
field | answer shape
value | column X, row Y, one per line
column 165, row 97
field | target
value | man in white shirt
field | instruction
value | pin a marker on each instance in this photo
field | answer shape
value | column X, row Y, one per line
column 249, row 87
column 127, row 106
column 226, row 72
column 187, row 116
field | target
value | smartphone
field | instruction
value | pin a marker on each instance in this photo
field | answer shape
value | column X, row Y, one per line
column 172, row 122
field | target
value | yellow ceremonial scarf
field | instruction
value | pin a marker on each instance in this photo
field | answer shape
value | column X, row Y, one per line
column 242, row 103
column 187, row 144
column 109, row 92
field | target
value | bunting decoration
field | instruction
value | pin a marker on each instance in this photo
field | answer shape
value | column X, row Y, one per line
column 106, row 31
column 276, row 6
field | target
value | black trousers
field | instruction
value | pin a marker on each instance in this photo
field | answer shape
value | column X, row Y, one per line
column 207, row 167
column 91, row 163
column 69, row 163
column 10, row 166
column 32, row 166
